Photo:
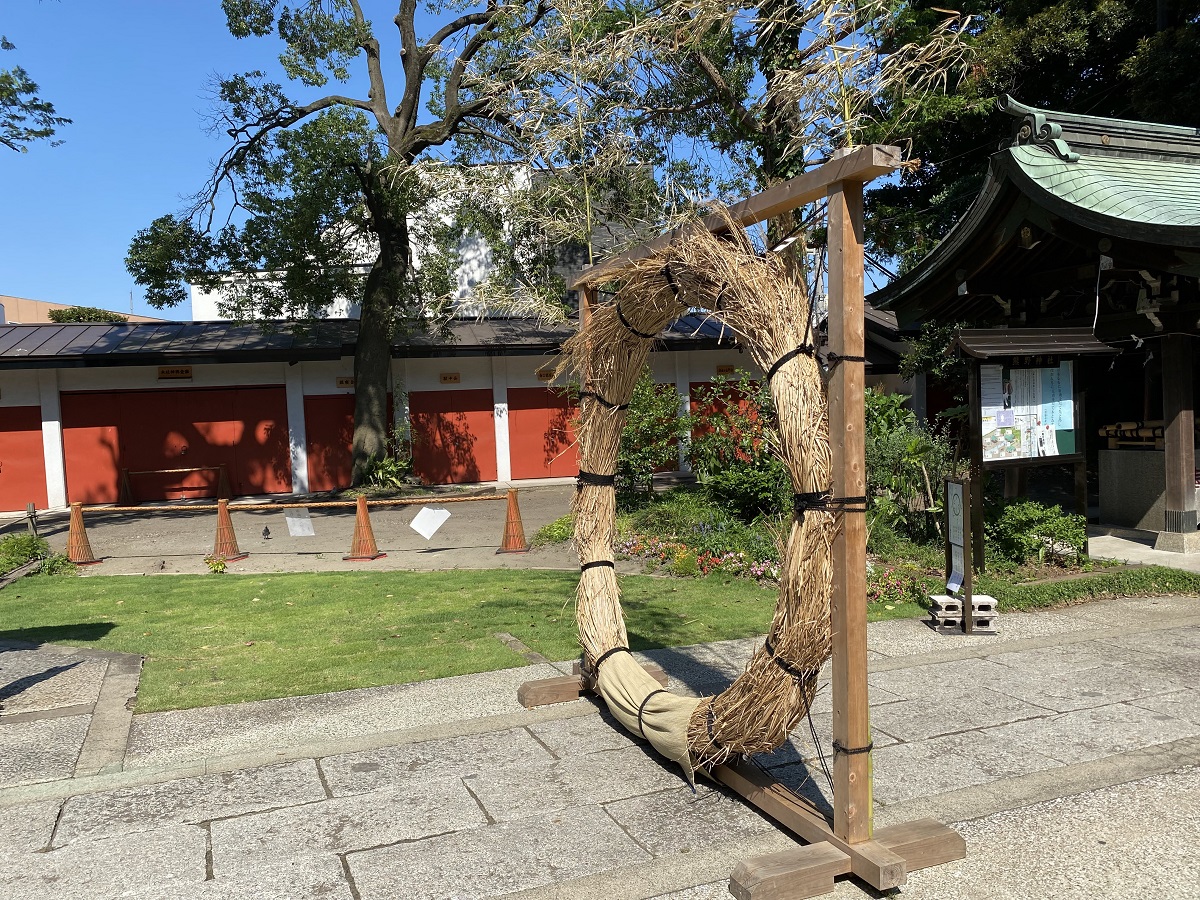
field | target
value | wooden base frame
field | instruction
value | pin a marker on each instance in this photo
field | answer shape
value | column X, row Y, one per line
column 565, row 688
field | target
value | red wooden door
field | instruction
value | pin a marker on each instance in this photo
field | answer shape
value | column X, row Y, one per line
column 91, row 447
column 22, row 462
column 454, row 436
column 329, row 426
column 541, row 435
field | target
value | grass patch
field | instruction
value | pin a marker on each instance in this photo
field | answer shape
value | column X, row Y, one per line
column 559, row 531
column 209, row 641
column 1144, row 581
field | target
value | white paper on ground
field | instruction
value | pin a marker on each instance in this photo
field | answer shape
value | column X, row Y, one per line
column 298, row 522
column 429, row 520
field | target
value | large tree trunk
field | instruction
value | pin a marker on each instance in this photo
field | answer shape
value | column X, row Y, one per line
column 373, row 352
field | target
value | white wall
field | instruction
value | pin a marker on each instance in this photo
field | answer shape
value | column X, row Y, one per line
column 127, row 378
column 475, row 373
column 19, row 388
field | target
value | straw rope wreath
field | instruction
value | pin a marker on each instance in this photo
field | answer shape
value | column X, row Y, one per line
column 757, row 298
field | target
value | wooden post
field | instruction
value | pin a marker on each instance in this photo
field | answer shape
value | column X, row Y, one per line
column 1180, row 438
column 852, row 803
column 975, row 439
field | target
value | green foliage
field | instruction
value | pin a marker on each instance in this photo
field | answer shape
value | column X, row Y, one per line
column 906, row 469
column 559, row 531
column 651, row 436
column 56, row 564
column 897, row 584
column 216, row 564
column 395, row 469
column 1025, row 530
column 24, row 116
column 85, row 314
column 18, row 549
column 732, row 449
column 1100, row 57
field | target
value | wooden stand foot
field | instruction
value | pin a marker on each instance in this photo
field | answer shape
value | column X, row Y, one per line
column 883, row 862
column 789, row 874
column 565, row 688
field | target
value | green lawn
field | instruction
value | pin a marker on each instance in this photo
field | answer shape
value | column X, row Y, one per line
column 224, row 639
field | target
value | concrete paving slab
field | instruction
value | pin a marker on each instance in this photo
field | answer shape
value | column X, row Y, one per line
column 496, row 860
column 183, row 735
column 165, row 864
column 584, row 735
column 187, row 800
column 255, row 844
column 32, row 681
column 40, row 750
column 943, row 679
column 677, row 821
column 931, row 716
column 1085, row 688
column 1070, row 658
column 290, row 877
column 904, row 771
column 910, row 637
column 27, row 828
column 1183, row 705
column 508, row 794
column 1136, row 840
column 1088, row 734
column 371, row 770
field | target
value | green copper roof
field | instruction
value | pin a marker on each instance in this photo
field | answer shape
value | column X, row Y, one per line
column 1122, row 188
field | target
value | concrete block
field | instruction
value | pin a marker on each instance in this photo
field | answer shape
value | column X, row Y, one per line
column 497, row 859
column 370, row 770
column 26, row 828
column 131, row 810
column 40, row 750
column 517, row 793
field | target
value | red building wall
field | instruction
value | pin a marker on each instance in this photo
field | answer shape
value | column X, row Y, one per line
column 22, row 463
column 541, row 435
column 243, row 428
column 454, row 436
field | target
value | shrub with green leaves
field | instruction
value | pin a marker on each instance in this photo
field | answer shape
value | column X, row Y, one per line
column 651, row 436
column 1027, row 530
column 559, row 531
column 732, row 449
column 907, row 465
column 18, row 549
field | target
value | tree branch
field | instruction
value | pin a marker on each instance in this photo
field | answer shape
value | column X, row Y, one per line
column 721, row 86
column 370, row 46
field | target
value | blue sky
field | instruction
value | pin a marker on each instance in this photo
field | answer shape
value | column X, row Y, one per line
column 132, row 75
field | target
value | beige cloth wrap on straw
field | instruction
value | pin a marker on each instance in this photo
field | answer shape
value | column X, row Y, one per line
column 624, row 685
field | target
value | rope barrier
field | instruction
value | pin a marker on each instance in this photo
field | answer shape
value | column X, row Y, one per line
column 322, row 504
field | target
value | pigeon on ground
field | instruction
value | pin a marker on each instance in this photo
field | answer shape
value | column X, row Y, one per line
column 266, row 533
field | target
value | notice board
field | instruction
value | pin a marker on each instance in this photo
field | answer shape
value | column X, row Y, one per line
column 1027, row 412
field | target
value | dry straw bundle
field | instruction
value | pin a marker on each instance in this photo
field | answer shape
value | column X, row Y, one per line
column 756, row 297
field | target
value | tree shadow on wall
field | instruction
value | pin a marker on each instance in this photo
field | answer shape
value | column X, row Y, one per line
column 559, row 439
column 444, row 448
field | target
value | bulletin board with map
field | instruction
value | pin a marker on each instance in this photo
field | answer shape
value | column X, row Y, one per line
column 1027, row 413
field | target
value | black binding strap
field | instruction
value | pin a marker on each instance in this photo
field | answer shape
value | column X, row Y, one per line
column 642, row 708
column 709, row 721
column 625, row 322
column 851, row 751
column 797, row 674
column 597, row 562
column 595, row 480
column 833, row 360
column 605, row 655
column 820, row 500
column 605, row 403
column 788, row 357
column 670, row 279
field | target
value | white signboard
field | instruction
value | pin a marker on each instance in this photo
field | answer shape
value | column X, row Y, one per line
column 428, row 521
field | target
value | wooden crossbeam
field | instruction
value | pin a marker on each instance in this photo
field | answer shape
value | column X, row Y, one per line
column 861, row 165
column 565, row 688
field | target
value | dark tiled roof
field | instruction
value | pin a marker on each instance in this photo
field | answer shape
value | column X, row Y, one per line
column 29, row 346
column 990, row 343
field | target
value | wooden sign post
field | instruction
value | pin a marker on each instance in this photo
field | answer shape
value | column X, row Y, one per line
column 958, row 537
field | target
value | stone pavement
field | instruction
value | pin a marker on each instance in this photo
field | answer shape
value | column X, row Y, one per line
column 1066, row 750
